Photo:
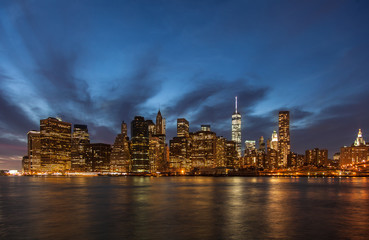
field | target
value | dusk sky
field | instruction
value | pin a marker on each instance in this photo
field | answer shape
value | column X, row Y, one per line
column 103, row 62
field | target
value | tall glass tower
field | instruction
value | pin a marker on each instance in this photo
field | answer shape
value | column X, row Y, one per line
column 236, row 129
column 284, row 145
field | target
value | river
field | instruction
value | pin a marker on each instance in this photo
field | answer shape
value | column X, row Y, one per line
column 183, row 208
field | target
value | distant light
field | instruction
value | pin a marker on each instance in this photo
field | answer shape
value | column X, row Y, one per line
column 13, row 171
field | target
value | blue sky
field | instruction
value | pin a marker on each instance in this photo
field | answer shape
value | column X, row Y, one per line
column 102, row 62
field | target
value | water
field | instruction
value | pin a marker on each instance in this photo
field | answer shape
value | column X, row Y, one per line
column 183, row 208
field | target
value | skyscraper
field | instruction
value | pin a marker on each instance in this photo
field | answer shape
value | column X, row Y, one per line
column 140, row 145
column 98, row 157
column 284, row 137
column 261, row 144
column 34, row 151
column 236, row 129
column 180, row 151
column 120, row 154
column 274, row 142
column 359, row 140
column 183, row 127
column 160, row 124
column 55, row 137
column 80, row 142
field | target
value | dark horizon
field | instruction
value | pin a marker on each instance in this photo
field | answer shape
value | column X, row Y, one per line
column 99, row 63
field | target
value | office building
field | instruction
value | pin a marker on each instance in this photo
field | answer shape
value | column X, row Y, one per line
column 284, row 146
column 98, row 157
column 140, row 145
column 120, row 157
column 55, row 137
column 183, row 127
column 356, row 154
column 316, row 157
column 33, row 163
column 80, row 142
column 236, row 129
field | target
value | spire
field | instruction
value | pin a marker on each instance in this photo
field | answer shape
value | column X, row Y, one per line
column 359, row 140
column 236, row 105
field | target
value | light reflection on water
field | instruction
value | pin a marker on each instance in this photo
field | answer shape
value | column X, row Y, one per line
column 183, row 208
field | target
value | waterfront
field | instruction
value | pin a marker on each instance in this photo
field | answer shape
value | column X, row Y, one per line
column 183, row 208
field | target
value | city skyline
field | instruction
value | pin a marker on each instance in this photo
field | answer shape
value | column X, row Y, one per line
column 98, row 64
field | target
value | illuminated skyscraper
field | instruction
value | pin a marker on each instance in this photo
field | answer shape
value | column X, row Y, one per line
column 151, row 127
column 180, row 151
column 55, row 137
column 284, row 137
column 274, row 142
column 357, row 153
column 140, row 145
column 236, row 129
column 203, row 149
column 80, row 142
column 160, row 126
column 98, row 157
column 359, row 140
column 316, row 157
column 261, row 144
column 120, row 155
column 183, row 127
column 34, row 152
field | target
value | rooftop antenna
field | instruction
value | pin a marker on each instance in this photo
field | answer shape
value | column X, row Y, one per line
column 236, row 104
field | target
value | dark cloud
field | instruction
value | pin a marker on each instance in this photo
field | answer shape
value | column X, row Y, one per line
column 334, row 126
column 13, row 118
column 213, row 103
column 51, row 44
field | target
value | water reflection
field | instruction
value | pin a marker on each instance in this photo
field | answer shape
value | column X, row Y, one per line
column 183, row 208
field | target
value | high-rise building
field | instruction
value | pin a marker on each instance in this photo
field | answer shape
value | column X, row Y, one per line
column 356, row 154
column 179, row 154
column 250, row 156
column 160, row 126
column 151, row 127
column 140, row 145
column 274, row 141
column 236, row 129
column 221, row 152
column 261, row 144
column 98, row 157
column 33, row 163
column 250, row 145
column 80, row 142
column 231, row 155
column 55, row 136
column 183, row 127
column 359, row 140
column 157, row 155
column 120, row 157
column 179, row 148
column 316, row 157
column 284, row 147
column 203, row 149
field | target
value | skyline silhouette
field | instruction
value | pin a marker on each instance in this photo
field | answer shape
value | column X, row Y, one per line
column 99, row 63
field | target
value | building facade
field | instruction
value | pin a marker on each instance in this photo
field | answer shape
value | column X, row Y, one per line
column 236, row 129
column 33, row 163
column 284, row 145
column 56, row 141
column 140, row 145
column 316, row 157
column 98, row 157
column 120, row 158
column 80, row 142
